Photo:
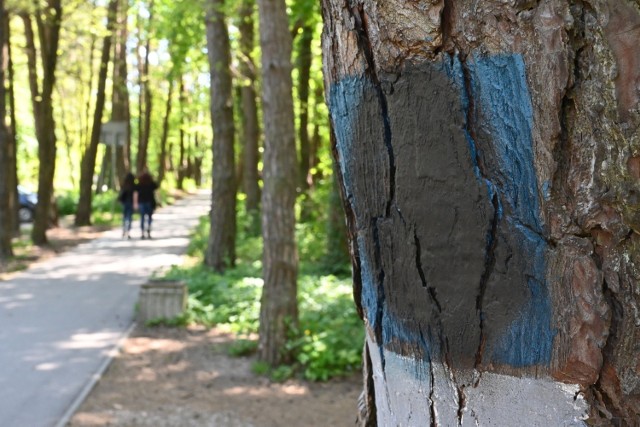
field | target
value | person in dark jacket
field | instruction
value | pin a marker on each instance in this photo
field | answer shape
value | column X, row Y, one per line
column 125, row 197
column 146, row 201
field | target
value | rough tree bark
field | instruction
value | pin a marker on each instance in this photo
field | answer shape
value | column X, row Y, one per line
column 250, row 125
column 88, row 163
column 490, row 159
column 279, row 307
column 220, row 252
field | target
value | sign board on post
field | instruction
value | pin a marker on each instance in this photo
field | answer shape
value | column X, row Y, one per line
column 113, row 133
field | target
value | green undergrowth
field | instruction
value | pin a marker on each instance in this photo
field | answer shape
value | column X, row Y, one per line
column 330, row 337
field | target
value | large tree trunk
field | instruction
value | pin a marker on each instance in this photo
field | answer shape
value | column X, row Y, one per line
column 6, row 213
column 88, row 164
column 48, row 22
column 251, row 127
column 221, row 248
column 489, row 157
column 279, row 308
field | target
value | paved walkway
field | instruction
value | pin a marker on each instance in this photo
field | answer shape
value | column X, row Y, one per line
column 61, row 319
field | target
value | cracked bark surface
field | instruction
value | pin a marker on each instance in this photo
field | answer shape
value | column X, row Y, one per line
column 489, row 157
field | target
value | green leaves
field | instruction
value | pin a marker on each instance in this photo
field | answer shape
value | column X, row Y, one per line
column 330, row 336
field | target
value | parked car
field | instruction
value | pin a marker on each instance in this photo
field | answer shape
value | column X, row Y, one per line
column 27, row 202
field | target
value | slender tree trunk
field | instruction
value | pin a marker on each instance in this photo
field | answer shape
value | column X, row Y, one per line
column 220, row 252
column 85, row 129
column 316, row 139
column 304, row 72
column 181, row 136
column 88, row 164
column 162, row 164
column 6, row 213
column 67, row 140
column 197, row 166
column 144, row 121
column 488, row 155
column 120, row 94
column 12, row 147
column 250, row 125
column 279, row 308
column 48, row 23
column 105, row 168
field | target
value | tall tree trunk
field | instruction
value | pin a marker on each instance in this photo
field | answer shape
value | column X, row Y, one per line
column 162, row 163
column 250, row 125
column 120, row 94
column 68, row 141
column 220, row 252
column 304, row 72
column 316, row 138
column 181, row 136
column 48, row 22
column 105, row 169
column 197, row 166
column 85, row 128
column 12, row 147
column 279, row 308
column 6, row 213
column 488, row 155
column 88, row 164
column 145, row 107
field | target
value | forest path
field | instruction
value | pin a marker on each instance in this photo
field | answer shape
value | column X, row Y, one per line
column 62, row 319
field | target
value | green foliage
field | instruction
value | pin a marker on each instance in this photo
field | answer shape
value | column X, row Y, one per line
column 242, row 347
column 232, row 298
column 67, row 203
column 105, row 202
column 281, row 373
column 260, row 368
column 329, row 341
column 277, row 374
column 332, row 334
column 176, row 321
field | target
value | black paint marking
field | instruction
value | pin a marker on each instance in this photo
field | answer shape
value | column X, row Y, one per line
column 381, row 278
column 365, row 46
column 418, row 259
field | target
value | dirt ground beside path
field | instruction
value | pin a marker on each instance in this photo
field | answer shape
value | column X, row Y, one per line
column 166, row 377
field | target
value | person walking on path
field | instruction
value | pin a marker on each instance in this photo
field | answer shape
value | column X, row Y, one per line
column 126, row 198
column 145, row 199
